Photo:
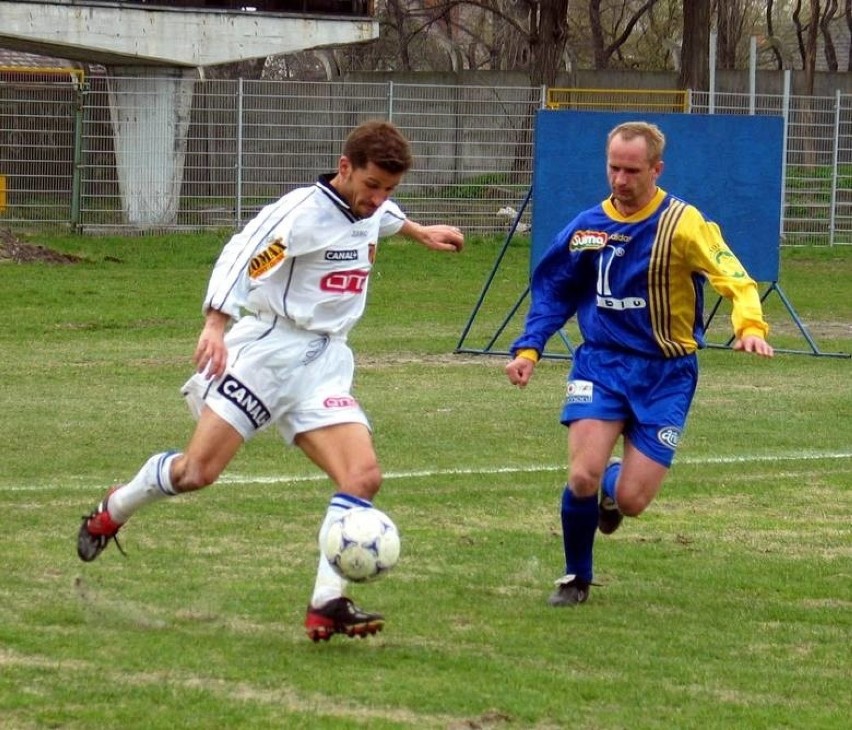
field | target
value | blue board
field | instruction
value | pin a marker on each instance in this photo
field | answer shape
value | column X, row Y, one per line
column 730, row 167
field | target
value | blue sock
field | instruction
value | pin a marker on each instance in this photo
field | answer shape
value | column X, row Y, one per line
column 579, row 523
column 610, row 477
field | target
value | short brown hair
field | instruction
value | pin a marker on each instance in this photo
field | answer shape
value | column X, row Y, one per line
column 653, row 135
column 382, row 144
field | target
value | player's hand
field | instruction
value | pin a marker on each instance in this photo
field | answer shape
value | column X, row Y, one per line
column 519, row 371
column 211, row 353
column 754, row 344
column 438, row 238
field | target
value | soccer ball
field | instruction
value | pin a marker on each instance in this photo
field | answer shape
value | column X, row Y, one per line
column 362, row 544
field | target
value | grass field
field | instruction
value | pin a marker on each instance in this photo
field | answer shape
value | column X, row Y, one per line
column 727, row 605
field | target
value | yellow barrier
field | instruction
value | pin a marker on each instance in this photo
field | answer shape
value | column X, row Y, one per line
column 2, row 193
column 640, row 100
column 43, row 73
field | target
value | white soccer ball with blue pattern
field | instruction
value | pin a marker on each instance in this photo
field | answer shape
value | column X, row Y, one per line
column 362, row 544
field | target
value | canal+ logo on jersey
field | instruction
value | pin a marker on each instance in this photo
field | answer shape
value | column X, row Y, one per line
column 587, row 241
column 243, row 398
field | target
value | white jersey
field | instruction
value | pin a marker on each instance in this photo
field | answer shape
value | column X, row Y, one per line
column 306, row 258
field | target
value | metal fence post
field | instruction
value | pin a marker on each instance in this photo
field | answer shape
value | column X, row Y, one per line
column 238, row 208
column 785, row 113
column 835, row 170
column 76, row 172
column 752, row 74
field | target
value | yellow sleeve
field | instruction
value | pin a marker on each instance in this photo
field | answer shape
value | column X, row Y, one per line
column 528, row 354
column 726, row 275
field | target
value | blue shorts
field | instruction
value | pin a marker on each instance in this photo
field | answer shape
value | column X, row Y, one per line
column 651, row 395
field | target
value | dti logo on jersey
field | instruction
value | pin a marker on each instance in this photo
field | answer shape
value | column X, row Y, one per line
column 346, row 401
column 587, row 241
column 345, row 282
column 245, row 400
column 669, row 436
column 265, row 262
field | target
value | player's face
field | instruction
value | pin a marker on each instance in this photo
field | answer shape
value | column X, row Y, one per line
column 632, row 178
column 365, row 188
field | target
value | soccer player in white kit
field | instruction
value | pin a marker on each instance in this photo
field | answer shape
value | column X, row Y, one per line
column 291, row 285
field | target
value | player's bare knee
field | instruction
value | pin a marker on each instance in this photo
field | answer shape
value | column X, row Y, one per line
column 584, row 483
column 366, row 483
column 631, row 505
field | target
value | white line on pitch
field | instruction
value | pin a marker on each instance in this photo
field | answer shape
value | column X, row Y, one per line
column 235, row 478
column 76, row 482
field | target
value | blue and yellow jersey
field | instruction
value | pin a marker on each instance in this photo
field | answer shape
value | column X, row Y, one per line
column 636, row 283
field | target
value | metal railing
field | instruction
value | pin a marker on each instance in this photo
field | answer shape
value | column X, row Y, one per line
column 247, row 142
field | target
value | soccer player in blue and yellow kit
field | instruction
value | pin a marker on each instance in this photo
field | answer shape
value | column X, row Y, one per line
column 632, row 269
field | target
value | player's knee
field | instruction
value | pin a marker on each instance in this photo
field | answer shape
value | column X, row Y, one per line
column 632, row 505
column 584, row 483
column 365, row 483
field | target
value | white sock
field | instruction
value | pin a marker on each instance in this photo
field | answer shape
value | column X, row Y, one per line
column 329, row 585
column 152, row 483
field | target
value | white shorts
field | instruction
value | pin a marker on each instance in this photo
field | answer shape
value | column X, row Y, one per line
column 278, row 374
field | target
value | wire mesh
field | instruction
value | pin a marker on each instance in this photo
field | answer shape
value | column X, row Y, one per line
column 243, row 143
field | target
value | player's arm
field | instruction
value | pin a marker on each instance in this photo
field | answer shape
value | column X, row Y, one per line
column 211, row 353
column 553, row 288
column 437, row 238
column 729, row 278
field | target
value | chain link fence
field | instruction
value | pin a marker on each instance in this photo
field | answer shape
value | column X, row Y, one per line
column 243, row 143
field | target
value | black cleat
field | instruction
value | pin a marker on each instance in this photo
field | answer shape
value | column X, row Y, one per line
column 341, row 616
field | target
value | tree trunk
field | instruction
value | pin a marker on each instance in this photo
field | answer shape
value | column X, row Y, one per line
column 811, row 46
column 827, row 40
column 695, row 55
column 548, row 36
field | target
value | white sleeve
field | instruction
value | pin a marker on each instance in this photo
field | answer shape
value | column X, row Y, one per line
column 229, row 282
column 228, row 285
column 392, row 219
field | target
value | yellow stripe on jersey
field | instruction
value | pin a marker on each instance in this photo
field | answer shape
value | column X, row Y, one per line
column 666, row 302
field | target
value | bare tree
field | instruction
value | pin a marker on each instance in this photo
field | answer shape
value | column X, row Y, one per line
column 771, row 37
column 848, row 14
column 625, row 21
column 730, row 23
column 825, row 31
column 807, row 34
column 694, row 71
column 543, row 26
column 548, row 34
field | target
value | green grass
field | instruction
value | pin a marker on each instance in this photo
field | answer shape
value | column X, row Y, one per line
column 726, row 605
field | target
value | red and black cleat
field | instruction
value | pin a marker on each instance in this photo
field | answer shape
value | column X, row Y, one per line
column 341, row 616
column 97, row 530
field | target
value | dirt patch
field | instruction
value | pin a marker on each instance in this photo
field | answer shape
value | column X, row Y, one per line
column 12, row 249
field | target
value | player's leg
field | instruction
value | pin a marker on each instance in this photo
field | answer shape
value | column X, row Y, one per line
column 660, row 400
column 211, row 447
column 345, row 452
column 636, row 481
column 590, row 443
